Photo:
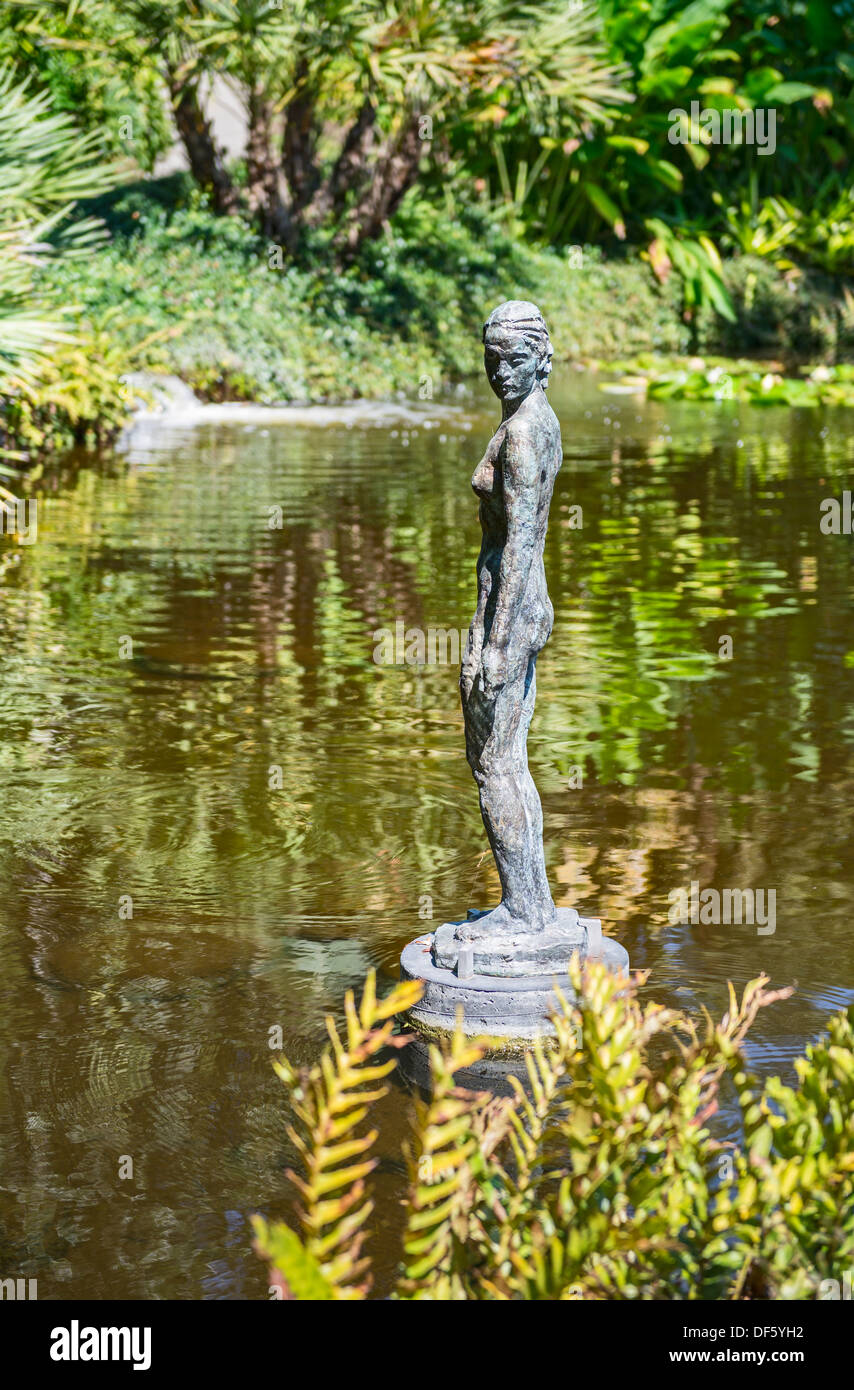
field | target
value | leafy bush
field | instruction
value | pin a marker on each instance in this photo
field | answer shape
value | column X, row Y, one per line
column 250, row 329
column 608, row 181
column 803, row 318
column 45, row 165
column 600, row 1179
column 77, row 396
column 48, row 374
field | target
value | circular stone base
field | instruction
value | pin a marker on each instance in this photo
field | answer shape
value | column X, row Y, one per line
column 467, row 948
column 512, row 1012
column 491, row 1073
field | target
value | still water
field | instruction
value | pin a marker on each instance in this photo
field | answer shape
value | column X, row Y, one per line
column 142, row 772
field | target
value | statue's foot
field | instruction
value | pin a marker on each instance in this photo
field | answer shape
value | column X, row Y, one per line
column 499, row 922
column 481, row 924
column 496, row 943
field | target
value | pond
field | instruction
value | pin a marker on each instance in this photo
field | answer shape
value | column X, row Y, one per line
column 201, row 607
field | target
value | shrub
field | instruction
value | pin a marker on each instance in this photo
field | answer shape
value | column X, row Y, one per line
column 600, row 1179
column 798, row 317
column 46, row 163
column 406, row 309
column 78, row 395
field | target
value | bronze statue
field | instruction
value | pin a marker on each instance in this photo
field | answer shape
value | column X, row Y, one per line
column 513, row 620
column 514, row 481
column 499, row 966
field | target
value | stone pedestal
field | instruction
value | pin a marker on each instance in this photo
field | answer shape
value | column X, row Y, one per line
column 504, row 984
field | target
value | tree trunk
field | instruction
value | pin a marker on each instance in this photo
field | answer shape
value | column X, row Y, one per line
column 394, row 174
column 298, row 147
column 205, row 159
column 266, row 193
column 349, row 170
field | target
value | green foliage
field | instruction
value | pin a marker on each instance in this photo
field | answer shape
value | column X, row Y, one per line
column 45, row 164
column 698, row 264
column 800, row 318
column 559, row 115
column 452, row 1142
column 330, row 1101
column 601, row 1178
column 820, row 234
column 251, row 330
column 613, row 178
column 799, row 1171
column 283, row 1248
column 460, row 59
column 54, row 383
column 555, row 121
column 549, row 125
column 721, row 379
column 77, row 394
column 379, row 75
column 95, row 69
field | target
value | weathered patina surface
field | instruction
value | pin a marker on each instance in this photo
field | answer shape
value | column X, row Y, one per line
column 514, row 481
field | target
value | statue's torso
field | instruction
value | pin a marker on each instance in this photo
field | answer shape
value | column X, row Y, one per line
column 537, row 426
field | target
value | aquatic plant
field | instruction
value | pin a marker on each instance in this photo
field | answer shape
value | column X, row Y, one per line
column 720, row 379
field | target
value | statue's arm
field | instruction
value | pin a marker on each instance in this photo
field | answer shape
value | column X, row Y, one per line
column 521, row 467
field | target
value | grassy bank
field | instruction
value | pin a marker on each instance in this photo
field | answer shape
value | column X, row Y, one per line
column 176, row 289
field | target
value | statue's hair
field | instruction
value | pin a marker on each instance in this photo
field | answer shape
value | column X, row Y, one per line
column 523, row 317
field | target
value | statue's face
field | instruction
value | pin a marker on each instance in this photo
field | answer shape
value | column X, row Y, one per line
column 511, row 364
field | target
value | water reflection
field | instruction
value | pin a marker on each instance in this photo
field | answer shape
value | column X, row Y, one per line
column 257, row 899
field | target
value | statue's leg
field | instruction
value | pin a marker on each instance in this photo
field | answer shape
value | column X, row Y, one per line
column 496, row 735
column 529, row 892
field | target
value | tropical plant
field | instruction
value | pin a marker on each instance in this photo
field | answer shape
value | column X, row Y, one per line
column 343, row 97
column 330, row 1102
column 77, row 393
column 96, row 69
column 24, row 331
column 758, row 230
column 820, row 234
column 45, row 165
column 612, row 177
column 599, row 1178
column 696, row 261
column 56, row 382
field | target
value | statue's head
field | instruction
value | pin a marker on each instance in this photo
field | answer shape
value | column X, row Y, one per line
column 517, row 352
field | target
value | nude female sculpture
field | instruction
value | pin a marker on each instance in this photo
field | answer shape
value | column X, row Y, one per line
column 495, row 972
column 514, row 481
column 513, row 620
